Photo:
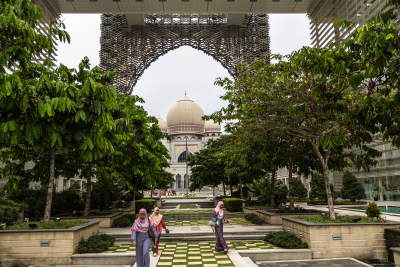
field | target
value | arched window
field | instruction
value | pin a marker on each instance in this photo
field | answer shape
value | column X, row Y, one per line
column 182, row 157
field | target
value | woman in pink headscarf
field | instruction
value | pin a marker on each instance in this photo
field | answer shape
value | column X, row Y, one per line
column 141, row 239
column 220, row 244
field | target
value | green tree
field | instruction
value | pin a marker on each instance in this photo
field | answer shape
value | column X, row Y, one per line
column 299, row 190
column 351, row 189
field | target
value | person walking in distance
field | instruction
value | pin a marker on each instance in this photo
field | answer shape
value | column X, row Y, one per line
column 141, row 238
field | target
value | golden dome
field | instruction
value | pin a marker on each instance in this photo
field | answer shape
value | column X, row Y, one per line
column 185, row 116
column 212, row 126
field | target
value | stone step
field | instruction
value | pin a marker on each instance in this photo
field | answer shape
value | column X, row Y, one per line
column 203, row 236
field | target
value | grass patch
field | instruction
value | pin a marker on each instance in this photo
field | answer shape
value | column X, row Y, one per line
column 339, row 219
column 232, row 221
column 197, row 211
column 188, row 206
column 50, row 225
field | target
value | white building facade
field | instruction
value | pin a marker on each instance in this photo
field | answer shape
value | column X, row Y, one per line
column 188, row 134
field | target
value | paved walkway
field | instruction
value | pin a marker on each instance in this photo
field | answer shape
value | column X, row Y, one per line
column 316, row 263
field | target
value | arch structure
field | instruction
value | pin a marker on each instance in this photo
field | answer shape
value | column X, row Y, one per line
column 129, row 50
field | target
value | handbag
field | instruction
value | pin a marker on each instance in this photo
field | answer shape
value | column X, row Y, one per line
column 214, row 222
column 151, row 232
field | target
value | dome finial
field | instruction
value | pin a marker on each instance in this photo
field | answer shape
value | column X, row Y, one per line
column 185, row 91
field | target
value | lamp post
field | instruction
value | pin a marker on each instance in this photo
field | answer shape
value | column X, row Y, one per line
column 187, row 175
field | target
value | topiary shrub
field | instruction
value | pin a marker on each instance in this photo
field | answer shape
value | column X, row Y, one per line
column 233, row 204
column 254, row 219
column 95, row 244
column 351, row 189
column 147, row 204
column 285, row 240
column 124, row 221
column 299, row 190
column 373, row 211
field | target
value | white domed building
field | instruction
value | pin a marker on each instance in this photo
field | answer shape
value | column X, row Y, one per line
column 184, row 125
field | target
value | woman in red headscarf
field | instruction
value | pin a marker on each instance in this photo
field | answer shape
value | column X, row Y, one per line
column 220, row 244
column 159, row 223
column 141, row 239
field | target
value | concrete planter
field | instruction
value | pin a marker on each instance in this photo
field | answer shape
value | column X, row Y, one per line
column 271, row 217
column 392, row 238
column 106, row 220
column 44, row 246
column 342, row 240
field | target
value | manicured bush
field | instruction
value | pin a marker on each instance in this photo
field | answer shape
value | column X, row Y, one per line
column 124, row 221
column 9, row 210
column 299, row 190
column 254, row 219
column 339, row 219
column 351, row 189
column 95, row 244
column 147, row 204
column 285, row 240
column 233, row 204
column 373, row 211
column 318, row 190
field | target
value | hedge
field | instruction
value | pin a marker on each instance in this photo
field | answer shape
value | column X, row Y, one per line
column 95, row 244
column 147, row 204
column 233, row 204
column 124, row 221
column 254, row 219
column 285, row 240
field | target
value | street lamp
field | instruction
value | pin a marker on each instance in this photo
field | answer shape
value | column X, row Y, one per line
column 187, row 175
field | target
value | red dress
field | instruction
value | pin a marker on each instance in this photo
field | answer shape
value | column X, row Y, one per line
column 159, row 228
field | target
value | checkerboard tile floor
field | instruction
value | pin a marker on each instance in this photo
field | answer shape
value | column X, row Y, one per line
column 232, row 221
column 195, row 254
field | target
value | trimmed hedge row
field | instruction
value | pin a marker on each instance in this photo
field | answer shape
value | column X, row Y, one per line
column 285, row 240
column 147, row 204
column 254, row 219
column 95, row 244
column 233, row 204
column 124, row 221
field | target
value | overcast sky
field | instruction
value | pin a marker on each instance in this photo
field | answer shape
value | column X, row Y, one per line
column 165, row 81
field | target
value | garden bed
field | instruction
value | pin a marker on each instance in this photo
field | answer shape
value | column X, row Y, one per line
column 340, row 240
column 274, row 216
column 106, row 218
column 43, row 246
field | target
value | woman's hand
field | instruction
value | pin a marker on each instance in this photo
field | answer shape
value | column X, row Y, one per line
column 134, row 244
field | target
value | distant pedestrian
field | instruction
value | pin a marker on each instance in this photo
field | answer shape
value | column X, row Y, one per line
column 141, row 239
column 159, row 224
column 220, row 244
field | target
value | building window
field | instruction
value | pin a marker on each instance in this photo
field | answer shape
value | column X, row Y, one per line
column 178, row 181
column 182, row 157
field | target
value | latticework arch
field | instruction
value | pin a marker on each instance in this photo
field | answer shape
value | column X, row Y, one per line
column 129, row 50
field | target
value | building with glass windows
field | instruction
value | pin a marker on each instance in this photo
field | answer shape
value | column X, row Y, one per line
column 188, row 134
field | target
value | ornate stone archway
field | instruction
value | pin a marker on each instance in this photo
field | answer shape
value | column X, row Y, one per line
column 129, row 50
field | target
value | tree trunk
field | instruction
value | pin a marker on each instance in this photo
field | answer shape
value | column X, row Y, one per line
column 106, row 195
column 134, row 195
column 324, row 162
column 241, row 187
column 49, row 198
column 151, row 192
column 230, row 182
column 223, row 186
column 88, row 188
column 272, row 197
column 291, row 201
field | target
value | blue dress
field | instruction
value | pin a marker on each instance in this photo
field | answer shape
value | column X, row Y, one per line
column 142, row 247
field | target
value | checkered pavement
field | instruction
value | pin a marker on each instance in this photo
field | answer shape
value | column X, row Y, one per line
column 196, row 253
